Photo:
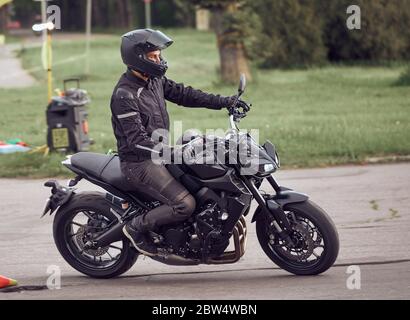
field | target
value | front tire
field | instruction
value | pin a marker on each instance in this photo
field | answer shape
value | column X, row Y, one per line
column 85, row 213
column 313, row 230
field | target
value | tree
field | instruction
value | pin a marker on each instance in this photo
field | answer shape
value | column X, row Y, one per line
column 184, row 13
column 231, row 29
column 125, row 12
column 73, row 13
column 24, row 12
column 3, row 18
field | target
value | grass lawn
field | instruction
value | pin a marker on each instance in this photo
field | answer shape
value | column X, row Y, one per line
column 316, row 117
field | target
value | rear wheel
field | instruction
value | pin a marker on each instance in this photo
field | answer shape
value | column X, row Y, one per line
column 86, row 215
column 315, row 240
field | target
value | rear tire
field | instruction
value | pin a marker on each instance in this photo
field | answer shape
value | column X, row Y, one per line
column 328, row 232
column 62, row 226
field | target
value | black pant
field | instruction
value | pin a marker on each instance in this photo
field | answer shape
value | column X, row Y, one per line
column 178, row 203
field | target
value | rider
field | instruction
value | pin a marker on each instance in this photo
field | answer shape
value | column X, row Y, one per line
column 138, row 108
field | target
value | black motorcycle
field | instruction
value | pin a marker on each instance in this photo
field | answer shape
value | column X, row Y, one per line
column 294, row 233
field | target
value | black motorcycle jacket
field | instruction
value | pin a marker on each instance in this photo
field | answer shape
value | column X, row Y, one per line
column 138, row 108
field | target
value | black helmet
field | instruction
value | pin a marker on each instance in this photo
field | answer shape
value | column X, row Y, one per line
column 134, row 46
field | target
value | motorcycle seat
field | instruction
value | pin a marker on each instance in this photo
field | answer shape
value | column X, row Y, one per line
column 105, row 168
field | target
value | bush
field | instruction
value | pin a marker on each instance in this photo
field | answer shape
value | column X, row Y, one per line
column 174, row 13
column 291, row 34
column 384, row 33
column 404, row 79
column 306, row 32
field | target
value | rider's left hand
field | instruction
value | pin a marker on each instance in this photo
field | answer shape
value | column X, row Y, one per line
column 245, row 106
column 239, row 104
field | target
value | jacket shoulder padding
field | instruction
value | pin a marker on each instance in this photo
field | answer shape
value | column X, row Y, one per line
column 123, row 93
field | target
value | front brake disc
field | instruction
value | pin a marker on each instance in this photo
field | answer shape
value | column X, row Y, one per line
column 305, row 247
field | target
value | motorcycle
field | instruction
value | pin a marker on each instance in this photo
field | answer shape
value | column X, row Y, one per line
column 295, row 233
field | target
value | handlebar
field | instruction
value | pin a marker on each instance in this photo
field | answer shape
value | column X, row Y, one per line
column 235, row 114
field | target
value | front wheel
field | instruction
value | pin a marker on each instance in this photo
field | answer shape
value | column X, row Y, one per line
column 315, row 240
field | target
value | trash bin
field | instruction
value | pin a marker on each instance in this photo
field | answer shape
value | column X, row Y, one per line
column 67, row 120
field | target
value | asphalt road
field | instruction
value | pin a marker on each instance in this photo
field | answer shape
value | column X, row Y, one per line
column 369, row 204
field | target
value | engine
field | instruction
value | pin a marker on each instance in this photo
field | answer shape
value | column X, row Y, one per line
column 200, row 232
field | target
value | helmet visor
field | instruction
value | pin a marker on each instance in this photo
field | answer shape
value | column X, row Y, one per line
column 159, row 40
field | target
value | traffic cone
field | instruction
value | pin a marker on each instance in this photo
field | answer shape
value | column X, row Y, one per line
column 6, row 282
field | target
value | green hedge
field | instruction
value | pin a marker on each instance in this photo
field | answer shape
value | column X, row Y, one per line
column 306, row 32
column 291, row 33
column 384, row 33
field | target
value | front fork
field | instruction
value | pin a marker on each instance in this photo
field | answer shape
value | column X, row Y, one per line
column 272, row 208
column 274, row 184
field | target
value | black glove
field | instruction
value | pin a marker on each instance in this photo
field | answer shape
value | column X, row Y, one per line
column 242, row 104
column 239, row 104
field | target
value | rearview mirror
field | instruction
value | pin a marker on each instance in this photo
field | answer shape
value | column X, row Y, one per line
column 242, row 83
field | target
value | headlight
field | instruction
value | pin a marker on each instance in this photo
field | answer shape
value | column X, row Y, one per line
column 268, row 167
